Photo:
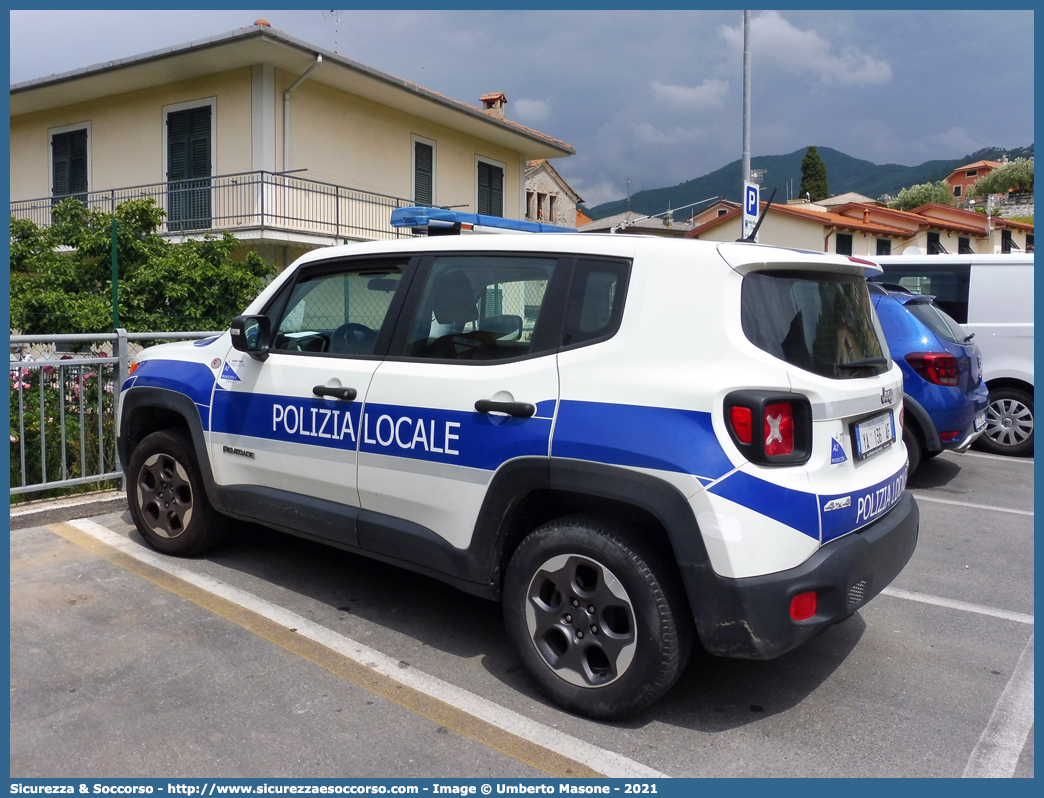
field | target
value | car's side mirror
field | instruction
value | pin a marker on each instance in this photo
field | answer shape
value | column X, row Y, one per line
column 252, row 334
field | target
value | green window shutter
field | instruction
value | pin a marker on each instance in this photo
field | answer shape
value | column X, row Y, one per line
column 490, row 190
column 69, row 163
column 189, row 169
column 188, row 144
column 423, row 157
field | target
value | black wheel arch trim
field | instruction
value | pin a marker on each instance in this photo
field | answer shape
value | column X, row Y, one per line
column 144, row 398
column 929, row 434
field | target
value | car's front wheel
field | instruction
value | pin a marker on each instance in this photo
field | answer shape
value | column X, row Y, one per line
column 597, row 617
column 1009, row 423
column 167, row 498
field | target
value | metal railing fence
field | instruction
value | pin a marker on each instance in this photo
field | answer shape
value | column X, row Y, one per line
column 65, row 392
column 247, row 200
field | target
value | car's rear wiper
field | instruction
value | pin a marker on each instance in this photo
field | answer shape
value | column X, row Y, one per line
column 968, row 337
column 864, row 363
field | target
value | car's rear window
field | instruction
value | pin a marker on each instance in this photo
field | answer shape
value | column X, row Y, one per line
column 938, row 321
column 816, row 321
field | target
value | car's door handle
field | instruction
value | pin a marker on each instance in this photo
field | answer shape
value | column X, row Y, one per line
column 347, row 394
column 516, row 409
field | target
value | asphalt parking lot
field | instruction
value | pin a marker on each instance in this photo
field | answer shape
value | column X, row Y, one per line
column 272, row 656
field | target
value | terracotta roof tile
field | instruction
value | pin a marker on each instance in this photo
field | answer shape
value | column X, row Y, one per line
column 826, row 218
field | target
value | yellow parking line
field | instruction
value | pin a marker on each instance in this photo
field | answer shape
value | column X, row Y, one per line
column 438, row 711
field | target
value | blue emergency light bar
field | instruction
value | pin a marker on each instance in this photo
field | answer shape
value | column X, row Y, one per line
column 446, row 222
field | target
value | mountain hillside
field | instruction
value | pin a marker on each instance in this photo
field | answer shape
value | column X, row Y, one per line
column 844, row 173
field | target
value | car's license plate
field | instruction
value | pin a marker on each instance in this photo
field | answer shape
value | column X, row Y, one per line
column 980, row 420
column 873, row 434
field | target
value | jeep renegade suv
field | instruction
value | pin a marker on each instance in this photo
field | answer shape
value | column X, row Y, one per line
column 633, row 443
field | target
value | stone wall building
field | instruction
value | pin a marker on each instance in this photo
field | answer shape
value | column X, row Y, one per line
column 549, row 197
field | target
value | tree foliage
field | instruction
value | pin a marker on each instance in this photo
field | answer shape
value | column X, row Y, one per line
column 1014, row 174
column 814, row 176
column 61, row 276
column 916, row 196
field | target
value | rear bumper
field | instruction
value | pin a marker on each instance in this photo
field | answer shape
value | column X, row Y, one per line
column 750, row 618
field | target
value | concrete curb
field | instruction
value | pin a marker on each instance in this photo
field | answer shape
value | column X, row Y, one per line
column 50, row 511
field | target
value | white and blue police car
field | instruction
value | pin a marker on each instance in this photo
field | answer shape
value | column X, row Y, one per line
column 635, row 444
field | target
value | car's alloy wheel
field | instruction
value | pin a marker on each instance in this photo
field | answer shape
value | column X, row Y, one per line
column 167, row 497
column 581, row 620
column 1009, row 423
column 164, row 495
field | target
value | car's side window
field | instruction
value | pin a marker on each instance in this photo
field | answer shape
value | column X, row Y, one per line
column 480, row 307
column 338, row 313
column 596, row 301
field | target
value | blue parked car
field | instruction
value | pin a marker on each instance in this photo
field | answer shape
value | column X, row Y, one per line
column 946, row 399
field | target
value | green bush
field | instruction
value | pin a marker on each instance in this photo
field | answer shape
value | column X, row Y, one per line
column 61, row 276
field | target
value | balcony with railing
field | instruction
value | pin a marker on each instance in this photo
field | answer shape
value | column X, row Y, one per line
column 251, row 205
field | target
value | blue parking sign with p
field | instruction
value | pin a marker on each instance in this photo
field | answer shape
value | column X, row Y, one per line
column 751, row 200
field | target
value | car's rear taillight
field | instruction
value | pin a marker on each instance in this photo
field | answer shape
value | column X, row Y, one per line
column 779, row 429
column 741, row 423
column 770, row 428
column 936, row 367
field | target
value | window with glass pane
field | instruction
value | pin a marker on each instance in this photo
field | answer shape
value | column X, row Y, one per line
column 595, row 301
column 480, row 308
column 338, row 313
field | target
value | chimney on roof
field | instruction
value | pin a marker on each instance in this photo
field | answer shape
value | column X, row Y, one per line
column 263, row 22
column 866, row 215
column 493, row 104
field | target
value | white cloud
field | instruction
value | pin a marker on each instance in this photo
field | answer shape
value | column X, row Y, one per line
column 597, row 191
column 707, row 94
column 647, row 133
column 777, row 43
column 531, row 110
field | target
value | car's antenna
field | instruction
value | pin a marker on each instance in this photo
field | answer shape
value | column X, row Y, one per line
column 750, row 239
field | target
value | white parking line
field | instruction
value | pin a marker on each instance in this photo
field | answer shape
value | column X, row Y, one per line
column 997, row 753
column 1005, row 458
column 953, row 604
column 607, row 762
column 924, row 497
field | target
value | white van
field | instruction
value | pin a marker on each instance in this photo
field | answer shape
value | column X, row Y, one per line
column 992, row 296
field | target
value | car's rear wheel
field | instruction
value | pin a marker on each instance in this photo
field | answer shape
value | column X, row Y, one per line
column 1009, row 423
column 596, row 616
column 914, row 449
column 167, row 498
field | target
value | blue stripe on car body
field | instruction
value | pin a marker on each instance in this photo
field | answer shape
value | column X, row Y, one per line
column 195, row 380
column 660, row 438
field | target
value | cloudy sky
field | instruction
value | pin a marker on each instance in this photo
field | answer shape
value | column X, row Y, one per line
column 651, row 95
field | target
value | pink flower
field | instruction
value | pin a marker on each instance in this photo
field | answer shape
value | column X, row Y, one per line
column 48, row 369
column 14, row 439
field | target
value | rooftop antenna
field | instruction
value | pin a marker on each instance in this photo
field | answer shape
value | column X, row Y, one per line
column 667, row 213
column 628, row 195
column 337, row 25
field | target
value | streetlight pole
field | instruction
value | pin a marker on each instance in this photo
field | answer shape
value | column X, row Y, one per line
column 746, row 96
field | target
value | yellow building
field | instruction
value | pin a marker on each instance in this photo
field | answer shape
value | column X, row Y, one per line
column 286, row 145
